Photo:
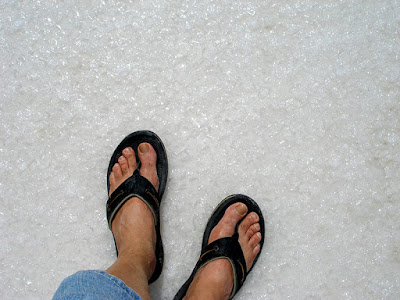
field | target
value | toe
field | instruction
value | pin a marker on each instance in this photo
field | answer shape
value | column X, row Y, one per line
column 226, row 226
column 115, row 177
column 256, row 250
column 129, row 155
column 123, row 164
column 255, row 240
column 112, row 179
column 116, row 169
column 147, row 156
column 234, row 213
column 247, row 222
column 148, row 160
column 253, row 229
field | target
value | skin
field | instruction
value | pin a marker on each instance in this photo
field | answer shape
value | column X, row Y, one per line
column 133, row 229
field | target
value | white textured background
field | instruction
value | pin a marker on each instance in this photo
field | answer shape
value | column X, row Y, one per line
column 295, row 103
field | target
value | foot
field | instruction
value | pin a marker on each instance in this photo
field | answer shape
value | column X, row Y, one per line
column 215, row 280
column 133, row 225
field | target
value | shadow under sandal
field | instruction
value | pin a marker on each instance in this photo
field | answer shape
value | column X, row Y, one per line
column 226, row 247
column 139, row 186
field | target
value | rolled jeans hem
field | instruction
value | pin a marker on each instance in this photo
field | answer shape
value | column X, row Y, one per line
column 94, row 284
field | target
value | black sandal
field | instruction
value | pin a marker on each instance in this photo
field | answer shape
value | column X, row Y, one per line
column 227, row 247
column 139, row 186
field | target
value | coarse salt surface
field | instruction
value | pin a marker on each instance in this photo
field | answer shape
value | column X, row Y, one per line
column 294, row 103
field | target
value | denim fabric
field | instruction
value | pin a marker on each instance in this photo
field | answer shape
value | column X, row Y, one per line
column 94, row 285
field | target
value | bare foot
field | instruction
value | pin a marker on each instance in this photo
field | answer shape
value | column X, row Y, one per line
column 215, row 280
column 133, row 225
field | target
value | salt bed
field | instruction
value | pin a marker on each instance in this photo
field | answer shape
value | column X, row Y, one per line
column 294, row 103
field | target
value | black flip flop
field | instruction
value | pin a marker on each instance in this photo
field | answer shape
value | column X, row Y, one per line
column 227, row 247
column 139, row 186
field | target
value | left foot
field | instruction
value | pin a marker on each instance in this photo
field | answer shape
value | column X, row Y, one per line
column 133, row 225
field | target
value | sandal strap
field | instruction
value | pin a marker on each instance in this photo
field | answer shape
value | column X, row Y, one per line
column 134, row 186
column 229, row 248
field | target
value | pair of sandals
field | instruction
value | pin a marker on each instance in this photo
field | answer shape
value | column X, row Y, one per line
column 139, row 186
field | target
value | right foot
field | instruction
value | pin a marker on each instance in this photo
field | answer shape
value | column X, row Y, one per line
column 215, row 280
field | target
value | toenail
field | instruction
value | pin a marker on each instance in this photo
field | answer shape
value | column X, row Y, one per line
column 254, row 216
column 258, row 234
column 257, row 226
column 240, row 209
column 127, row 150
column 144, row 148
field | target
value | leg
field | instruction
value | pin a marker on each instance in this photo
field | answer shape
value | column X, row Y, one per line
column 133, row 226
column 215, row 280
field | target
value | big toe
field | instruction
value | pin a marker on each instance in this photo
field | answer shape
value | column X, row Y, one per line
column 148, row 160
column 226, row 226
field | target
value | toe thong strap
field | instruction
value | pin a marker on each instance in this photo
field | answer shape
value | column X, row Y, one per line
column 229, row 248
column 134, row 186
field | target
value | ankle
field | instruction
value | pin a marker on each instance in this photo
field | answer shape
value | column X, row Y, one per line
column 129, row 269
column 139, row 262
column 132, row 275
column 213, row 281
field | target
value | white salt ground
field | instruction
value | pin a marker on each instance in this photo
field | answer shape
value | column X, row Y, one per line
column 294, row 103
